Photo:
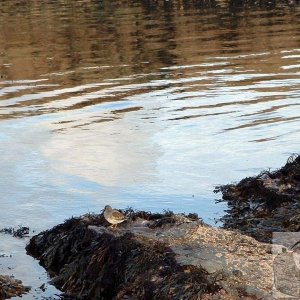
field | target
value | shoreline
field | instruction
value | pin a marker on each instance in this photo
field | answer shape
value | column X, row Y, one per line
column 183, row 255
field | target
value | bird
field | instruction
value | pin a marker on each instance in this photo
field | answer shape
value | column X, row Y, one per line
column 113, row 216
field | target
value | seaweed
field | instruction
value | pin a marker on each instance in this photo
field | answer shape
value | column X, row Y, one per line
column 265, row 203
column 21, row 232
column 11, row 287
column 116, row 264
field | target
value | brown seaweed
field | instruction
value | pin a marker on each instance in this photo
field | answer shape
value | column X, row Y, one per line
column 266, row 203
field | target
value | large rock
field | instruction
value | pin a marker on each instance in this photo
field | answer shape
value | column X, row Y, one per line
column 153, row 257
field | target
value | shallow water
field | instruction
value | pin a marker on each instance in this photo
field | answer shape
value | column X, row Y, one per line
column 142, row 105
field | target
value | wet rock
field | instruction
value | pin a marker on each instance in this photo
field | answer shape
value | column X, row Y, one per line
column 267, row 203
column 10, row 287
column 152, row 256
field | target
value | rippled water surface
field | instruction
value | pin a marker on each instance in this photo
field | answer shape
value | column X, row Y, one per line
column 142, row 105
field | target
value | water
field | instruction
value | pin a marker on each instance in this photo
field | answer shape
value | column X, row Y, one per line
column 137, row 104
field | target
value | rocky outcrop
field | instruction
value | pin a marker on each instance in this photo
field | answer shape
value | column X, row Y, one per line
column 267, row 203
column 153, row 256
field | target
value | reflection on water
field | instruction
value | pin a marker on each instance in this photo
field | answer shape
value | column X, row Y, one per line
column 140, row 105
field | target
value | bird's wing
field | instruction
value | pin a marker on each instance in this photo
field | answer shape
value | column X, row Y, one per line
column 118, row 215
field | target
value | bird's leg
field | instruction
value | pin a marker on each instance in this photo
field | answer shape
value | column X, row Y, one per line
column 112, row 226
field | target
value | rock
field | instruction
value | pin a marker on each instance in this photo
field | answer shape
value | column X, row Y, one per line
column 152, row 257
column 252, row 290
